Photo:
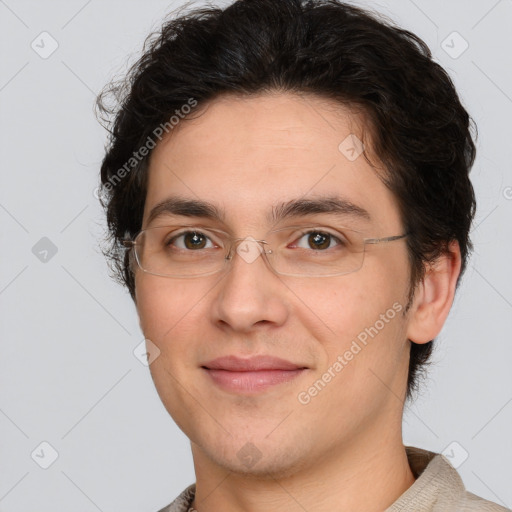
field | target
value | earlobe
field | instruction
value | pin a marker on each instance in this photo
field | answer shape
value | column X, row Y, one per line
column 434, row 296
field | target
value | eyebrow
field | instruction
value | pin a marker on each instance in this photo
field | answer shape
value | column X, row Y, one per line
column 330, row 205
column 295, row 208
column 186, row 208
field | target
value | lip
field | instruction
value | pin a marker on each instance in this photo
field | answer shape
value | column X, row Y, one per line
column 252, row 364
column 253, row 375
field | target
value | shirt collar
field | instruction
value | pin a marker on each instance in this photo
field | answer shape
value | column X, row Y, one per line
column 438, row 486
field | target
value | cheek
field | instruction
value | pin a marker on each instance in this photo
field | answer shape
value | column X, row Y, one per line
column 165, row 306
column 170, row 316
column 343, row 306
column 359, row 317
column 363, row 349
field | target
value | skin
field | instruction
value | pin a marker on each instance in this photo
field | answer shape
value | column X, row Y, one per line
column 343, row 450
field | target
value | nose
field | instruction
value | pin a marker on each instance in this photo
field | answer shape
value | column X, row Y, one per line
column 250, row 295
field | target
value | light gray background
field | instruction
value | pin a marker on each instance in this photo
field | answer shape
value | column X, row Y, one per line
column 68, row 375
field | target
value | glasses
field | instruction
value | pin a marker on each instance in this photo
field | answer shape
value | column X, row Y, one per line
column 299, row 251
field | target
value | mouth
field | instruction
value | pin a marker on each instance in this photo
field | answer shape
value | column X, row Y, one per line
column 253, row 375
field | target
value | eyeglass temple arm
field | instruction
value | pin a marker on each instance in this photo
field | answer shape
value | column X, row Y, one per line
column 385, row 239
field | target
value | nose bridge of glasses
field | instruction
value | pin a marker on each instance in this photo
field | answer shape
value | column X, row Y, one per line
column 248, row 248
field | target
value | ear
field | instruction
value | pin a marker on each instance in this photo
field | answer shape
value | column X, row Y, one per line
column 434, row 295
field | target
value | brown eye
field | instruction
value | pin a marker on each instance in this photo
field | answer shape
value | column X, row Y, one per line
column 190, row 240
column 319, row 241
column 194, row 240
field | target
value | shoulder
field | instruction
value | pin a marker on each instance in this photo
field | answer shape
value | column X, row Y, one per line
column 183, row 502
column 471, row 502
column 438, row 488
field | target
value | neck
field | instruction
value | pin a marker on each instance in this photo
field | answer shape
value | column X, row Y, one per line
column 366, row 474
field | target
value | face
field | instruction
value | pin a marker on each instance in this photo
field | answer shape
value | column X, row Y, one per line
column 247, row 157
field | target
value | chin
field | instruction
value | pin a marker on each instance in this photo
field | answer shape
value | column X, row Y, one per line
column 259, row 457
column 263, row 467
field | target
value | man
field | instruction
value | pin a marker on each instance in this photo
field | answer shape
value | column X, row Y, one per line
column 288, row 198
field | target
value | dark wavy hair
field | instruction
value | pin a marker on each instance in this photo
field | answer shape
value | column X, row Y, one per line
column 419, row 129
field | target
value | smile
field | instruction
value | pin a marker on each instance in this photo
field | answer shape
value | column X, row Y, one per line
column 251, row 381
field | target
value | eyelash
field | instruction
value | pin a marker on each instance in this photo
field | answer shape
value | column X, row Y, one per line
column 317, row 231
column 302, row 235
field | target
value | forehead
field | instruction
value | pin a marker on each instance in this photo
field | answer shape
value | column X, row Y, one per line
column 247, row 154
